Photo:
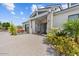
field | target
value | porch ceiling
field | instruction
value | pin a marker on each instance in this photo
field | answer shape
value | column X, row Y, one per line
column 41, row 20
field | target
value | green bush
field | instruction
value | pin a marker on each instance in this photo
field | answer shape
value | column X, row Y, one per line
column 12, row 29
column 64, row 45
column 72, row 28
column 65, row 41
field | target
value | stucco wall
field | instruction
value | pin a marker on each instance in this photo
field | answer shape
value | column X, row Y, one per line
column 60, row 19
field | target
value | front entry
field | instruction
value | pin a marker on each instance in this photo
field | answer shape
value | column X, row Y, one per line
column 43, row 28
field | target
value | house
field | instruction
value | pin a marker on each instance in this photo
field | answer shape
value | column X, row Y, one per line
column 42, row 20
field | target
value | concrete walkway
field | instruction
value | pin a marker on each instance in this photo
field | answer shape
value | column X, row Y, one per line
column 22, row 45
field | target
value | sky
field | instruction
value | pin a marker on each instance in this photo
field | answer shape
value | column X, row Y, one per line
column 18, row 13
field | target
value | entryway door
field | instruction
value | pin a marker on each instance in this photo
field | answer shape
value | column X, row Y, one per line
column 43, row 28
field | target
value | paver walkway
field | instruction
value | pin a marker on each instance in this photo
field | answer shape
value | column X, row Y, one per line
column 22, row 45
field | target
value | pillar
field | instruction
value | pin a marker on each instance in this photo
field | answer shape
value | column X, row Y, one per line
column 30, row 26
column 49, row 21
column 33, row 26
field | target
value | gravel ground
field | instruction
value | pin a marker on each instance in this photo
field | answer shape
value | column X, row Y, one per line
column 23, row 45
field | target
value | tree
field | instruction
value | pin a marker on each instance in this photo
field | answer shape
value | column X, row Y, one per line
column 72, row 28
column 5, row 25
column 0, row 25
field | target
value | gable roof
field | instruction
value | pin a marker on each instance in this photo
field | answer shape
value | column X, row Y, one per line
column 46, row 9
column 59, row 12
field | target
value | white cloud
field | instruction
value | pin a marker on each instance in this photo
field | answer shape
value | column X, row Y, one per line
column 9, row 6
column 64, row 6
column 21, row 13
column 13, row 13
column 40, row 6
column 34, row 7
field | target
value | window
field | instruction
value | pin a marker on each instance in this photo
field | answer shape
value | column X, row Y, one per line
column 75, row 16
column 40, row 12
column 74, row 4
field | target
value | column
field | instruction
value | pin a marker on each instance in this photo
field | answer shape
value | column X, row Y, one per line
column 33, row 26
column 30, row 26
column 49, row 21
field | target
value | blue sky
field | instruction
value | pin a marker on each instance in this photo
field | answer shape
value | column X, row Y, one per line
column 18, row 12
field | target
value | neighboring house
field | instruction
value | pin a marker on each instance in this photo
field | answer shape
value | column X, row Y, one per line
column 42, row 20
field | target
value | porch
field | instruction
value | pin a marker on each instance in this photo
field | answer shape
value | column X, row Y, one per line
column 38, row 25
column 41, row 24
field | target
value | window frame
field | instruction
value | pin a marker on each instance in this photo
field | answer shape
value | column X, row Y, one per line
column 73, row 15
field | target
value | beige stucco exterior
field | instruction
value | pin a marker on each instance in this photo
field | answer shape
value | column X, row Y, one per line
column 52, row 19
column 61, row 18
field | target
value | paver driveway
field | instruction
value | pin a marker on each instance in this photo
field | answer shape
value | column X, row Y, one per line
column 22, row 45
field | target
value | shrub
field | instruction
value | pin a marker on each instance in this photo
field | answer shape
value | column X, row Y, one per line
column 12, row 29
column 63, row 44
column 72, row 28
column 65, row 41
column 61, row 33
